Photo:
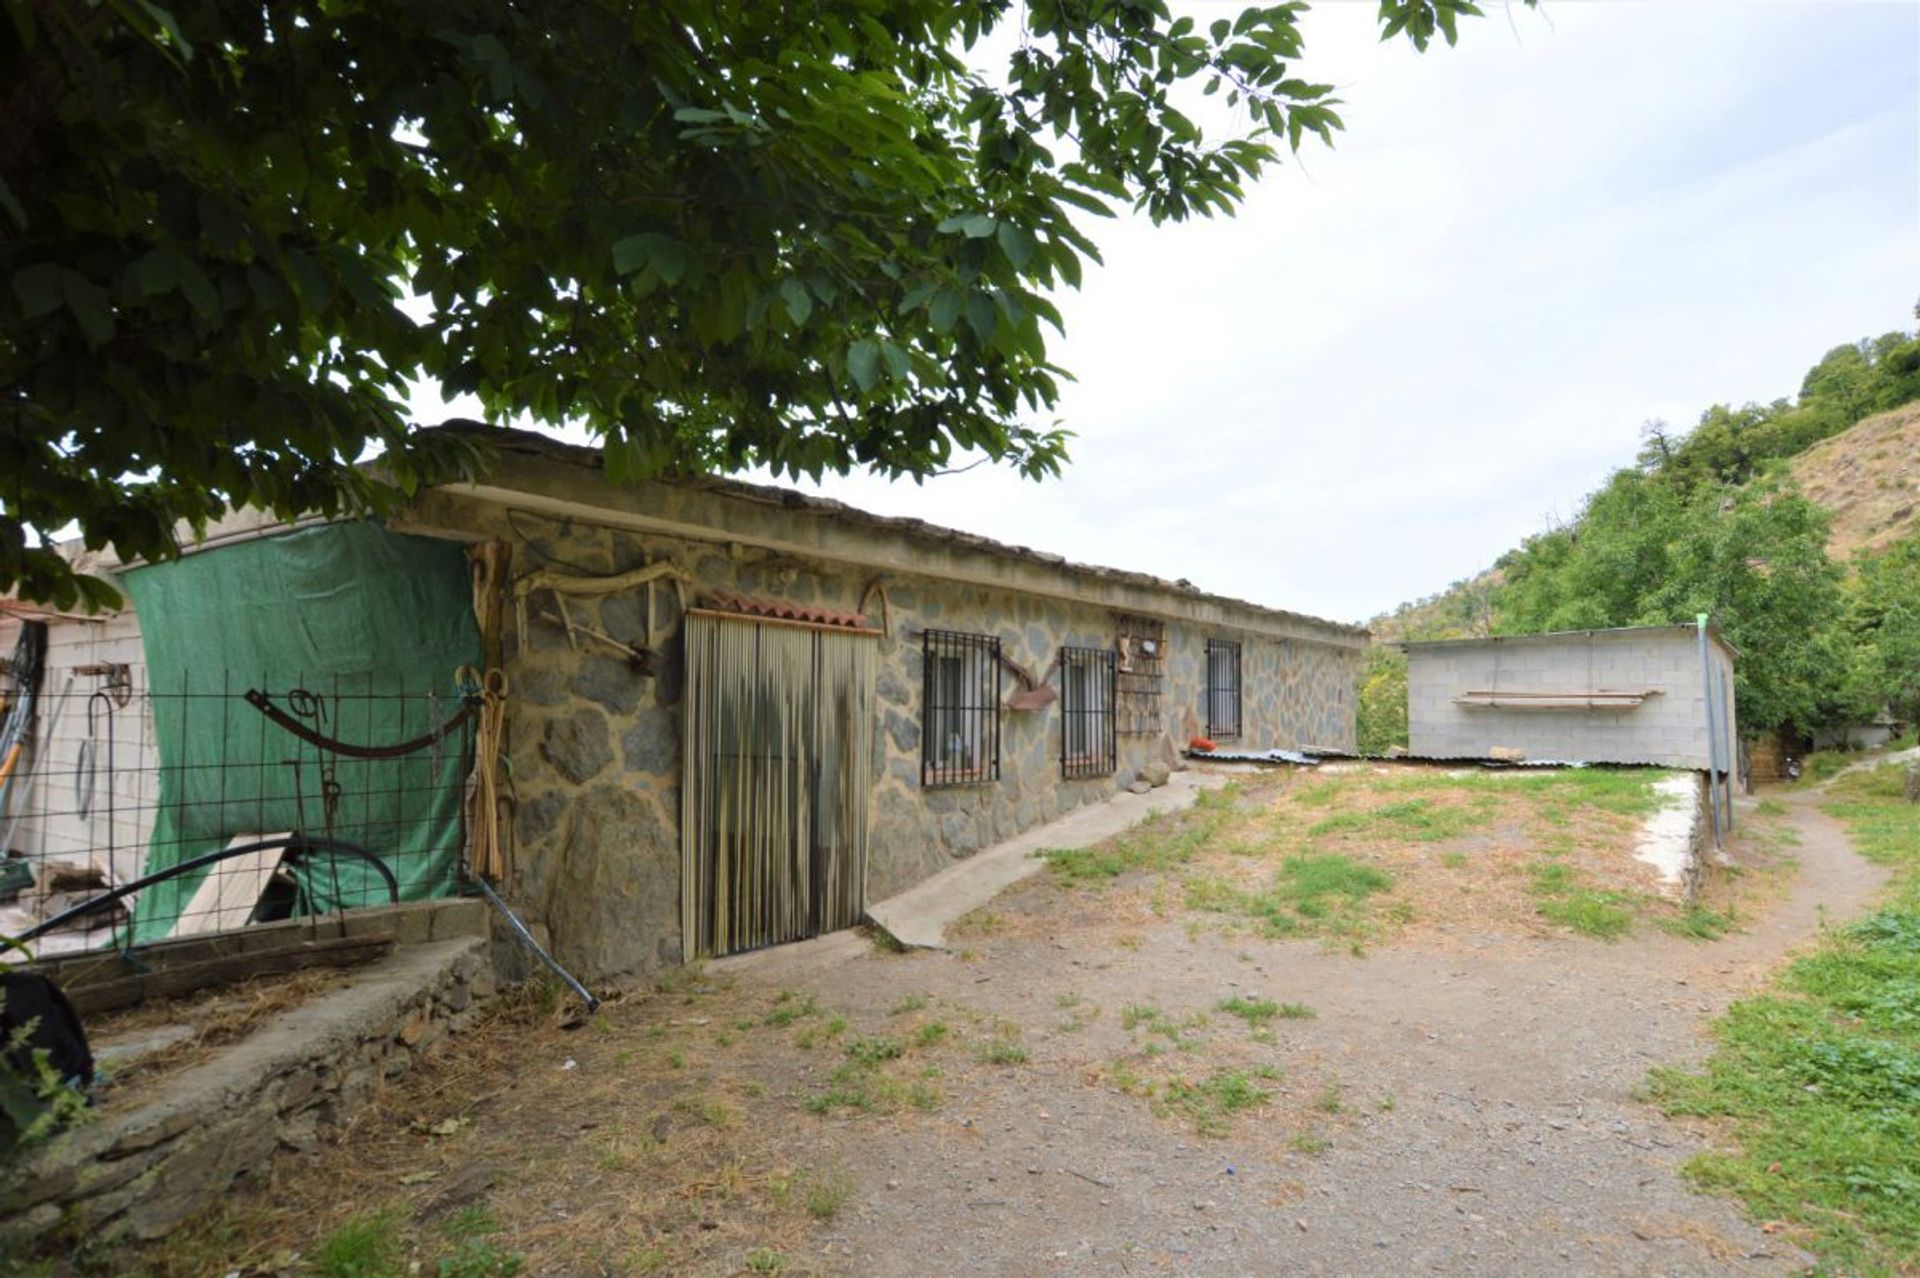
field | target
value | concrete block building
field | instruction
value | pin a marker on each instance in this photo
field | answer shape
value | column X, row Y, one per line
column 1638, row 695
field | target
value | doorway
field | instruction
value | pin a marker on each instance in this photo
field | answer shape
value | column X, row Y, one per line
column 778, row 774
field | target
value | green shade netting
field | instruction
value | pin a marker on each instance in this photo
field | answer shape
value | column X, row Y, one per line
column 372, row 623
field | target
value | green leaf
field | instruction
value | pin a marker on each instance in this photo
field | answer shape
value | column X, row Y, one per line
column 799, row 301
column 663, row 255
column 38, row 289
column 863, row 364
column 88, row 302
column 12, row 206
column 945, row 310
column 897, row 363
column 975, row 226
column 982, row 316
column 1017, row 243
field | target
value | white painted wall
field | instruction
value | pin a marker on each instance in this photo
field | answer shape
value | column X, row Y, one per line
column 119, row 819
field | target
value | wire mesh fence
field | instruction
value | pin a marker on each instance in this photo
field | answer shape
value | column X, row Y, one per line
column 149, row 811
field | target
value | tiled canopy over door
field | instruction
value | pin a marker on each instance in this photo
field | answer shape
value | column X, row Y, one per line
column 778, row 772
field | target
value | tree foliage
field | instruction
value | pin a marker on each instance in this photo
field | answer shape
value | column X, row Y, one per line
column 1709, row 521
column 1381, row 708
column 809, row 237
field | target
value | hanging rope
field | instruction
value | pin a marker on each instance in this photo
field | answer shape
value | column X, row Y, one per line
column 487, row 851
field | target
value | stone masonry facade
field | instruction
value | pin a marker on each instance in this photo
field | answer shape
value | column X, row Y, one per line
column 594, row 744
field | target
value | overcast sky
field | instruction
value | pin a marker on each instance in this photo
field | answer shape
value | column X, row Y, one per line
column 1410, row 351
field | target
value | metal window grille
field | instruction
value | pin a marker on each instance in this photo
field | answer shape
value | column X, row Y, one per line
column 960, row 697
column 1139, row 674
column 1223, row 689
column 1088, row 747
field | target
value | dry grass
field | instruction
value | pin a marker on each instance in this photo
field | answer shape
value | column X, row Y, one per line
column 1854, row 477
column 1465, row 855
column 687, row 1134
column 216, row 1016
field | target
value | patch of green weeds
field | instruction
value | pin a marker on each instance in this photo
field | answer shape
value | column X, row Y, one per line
column 911, row 1003
column 367, row 1246
column 710, row 1110
column 1603, row 915
column 826, row 1195
column 1157, row 1023
column 1308, row 1143
column 1453, row 860
column 650, row 1259
column 790, row 1008
column 1411, row 820
column 1321, row 893
column 1001, row 1051
column 765, row 1260
column 929, row 1034
column 1254, row 1011
column 1698, row 923
column 1161, row 842
column 877, row 1048
column 1209, row 1103
column 475, row 1254
column 1563, row 900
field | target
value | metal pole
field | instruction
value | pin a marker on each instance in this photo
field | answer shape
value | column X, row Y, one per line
column 1723, row 734
column 1713, row 737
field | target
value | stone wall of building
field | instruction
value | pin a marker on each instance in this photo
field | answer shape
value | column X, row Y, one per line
column 594, row 743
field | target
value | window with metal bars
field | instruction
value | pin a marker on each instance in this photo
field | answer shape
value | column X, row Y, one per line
column 1087, row 743
column 1223, row 689
column 960, row 699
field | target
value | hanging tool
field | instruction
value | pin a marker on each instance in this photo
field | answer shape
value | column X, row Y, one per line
column 299, row 697
column 33, row 768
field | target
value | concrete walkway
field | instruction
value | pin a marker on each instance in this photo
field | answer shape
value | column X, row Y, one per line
column 919, row 917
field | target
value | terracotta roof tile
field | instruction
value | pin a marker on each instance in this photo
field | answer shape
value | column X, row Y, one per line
column 750, row 606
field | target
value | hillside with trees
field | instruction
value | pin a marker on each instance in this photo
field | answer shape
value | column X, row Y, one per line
column 1792, row 523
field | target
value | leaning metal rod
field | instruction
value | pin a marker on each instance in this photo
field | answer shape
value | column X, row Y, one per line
column 520, row 930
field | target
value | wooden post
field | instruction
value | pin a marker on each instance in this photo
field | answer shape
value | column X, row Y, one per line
column 1913, row 783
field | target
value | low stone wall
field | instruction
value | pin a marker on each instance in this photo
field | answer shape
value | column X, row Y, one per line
column 140, row 1171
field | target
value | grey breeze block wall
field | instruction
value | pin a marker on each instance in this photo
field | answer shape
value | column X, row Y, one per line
column 594, row 747
column 1668, row 729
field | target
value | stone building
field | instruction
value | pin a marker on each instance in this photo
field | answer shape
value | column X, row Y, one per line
column 863, row 699
column 1636, row 695
column 1119, row 670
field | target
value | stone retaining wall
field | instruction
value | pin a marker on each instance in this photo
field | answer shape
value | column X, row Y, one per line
column 140, row 1170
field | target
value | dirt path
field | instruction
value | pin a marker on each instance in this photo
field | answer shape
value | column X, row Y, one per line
column 1485, row 1119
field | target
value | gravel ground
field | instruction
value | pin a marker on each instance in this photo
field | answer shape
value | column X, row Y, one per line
column 1487, row 1116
